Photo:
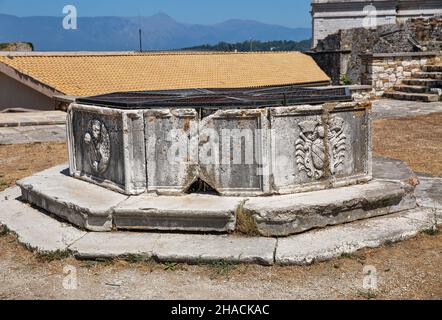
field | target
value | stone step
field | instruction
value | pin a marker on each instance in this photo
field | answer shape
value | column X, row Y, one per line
column 434, row 68
column 94, row 208
column 422, row 97
column 411, row 89
column 190, row 213
column 423, row 82
column 97, row 209
column 427, row 75
column 290, row 214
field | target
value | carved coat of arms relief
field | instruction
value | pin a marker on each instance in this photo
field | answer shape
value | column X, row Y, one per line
column 313, row 154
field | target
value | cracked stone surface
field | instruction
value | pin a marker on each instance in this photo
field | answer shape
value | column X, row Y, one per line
column 37, row 230
column 95, row 208
column 329, row 243
column 429, row 192
column 203, row 213
column 80, row 203
column 177, row 247
column 286, row 215
column 33, row 228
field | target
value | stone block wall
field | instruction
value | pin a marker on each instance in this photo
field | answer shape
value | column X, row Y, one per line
column 331, row 62
column 362, row 92
column 428, row 32
column 330, row 16
column 384, row 71
column 341, row 53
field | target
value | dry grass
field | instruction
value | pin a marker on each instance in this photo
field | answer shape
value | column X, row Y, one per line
column 22, row 160
column 417, row 141
column 245, row 223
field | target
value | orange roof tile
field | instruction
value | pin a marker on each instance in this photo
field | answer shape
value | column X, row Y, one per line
column 92, row 74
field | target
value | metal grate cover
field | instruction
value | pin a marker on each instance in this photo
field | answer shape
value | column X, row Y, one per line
column 219, row 98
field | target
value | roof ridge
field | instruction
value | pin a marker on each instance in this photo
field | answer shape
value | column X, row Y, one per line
column 146, row 53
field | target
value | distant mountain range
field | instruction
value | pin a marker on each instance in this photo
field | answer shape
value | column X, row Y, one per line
column 160, row 32
column 256, row 45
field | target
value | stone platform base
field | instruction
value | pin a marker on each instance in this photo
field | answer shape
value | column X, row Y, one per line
column 42, row 233
column 286, row 215
column 93, row 208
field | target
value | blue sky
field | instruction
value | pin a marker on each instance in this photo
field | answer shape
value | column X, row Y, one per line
column 292, row 13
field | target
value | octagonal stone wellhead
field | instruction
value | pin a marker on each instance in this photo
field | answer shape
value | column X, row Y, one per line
column 218, row 161
column 237, row 152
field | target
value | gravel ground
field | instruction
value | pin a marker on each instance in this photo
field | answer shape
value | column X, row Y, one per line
column 409, row 270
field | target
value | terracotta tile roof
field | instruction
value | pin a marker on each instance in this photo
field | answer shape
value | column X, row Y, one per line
column 92, row 74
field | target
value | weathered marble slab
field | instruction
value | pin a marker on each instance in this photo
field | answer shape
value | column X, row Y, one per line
column 318, row 147
column 171, row 137
column 94, row 208
column 296, row 213
column 82, row 204
column 36, row 230
column 190, row 213
column 326, row 244
column 106, row 147
column 234, row 147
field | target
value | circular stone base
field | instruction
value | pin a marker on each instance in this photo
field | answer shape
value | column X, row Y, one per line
column 38, row 231
column 94, row 208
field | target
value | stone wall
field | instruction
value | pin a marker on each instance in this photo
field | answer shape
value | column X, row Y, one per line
column 384, row 71
column 330, row 62
column 330, row 16
column 341, row 53
column 362, row 92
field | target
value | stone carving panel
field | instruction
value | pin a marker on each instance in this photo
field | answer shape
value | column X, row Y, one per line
column 321, row 147
column 106, row 147
column 358, row 140
column 317, row 147
column 97, row 142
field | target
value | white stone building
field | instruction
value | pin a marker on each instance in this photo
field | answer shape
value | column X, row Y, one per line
column 330, row 16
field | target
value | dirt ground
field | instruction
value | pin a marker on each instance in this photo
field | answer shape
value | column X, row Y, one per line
column 408, row 270
column 22, row 160
column 417, row 141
